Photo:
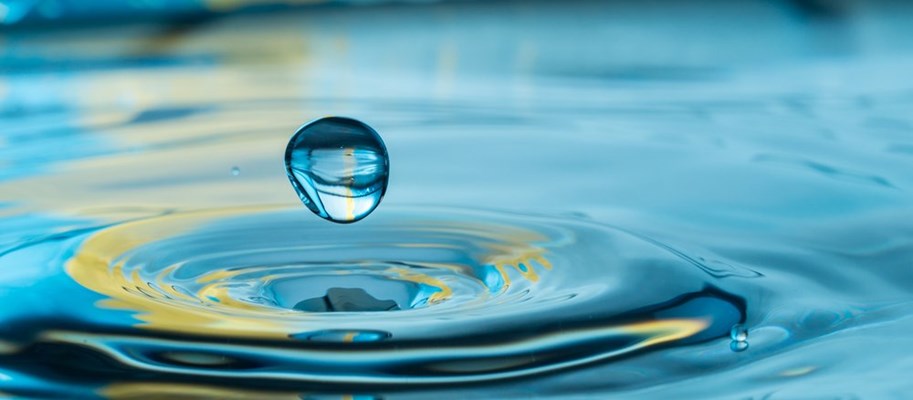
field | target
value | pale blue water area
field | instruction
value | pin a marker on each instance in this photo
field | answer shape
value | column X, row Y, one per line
column 701, row 199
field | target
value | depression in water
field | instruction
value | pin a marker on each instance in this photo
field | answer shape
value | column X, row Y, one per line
column 339, row 168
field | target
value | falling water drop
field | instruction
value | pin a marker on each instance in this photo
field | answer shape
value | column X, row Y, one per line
column 235, row 171
column 339, row 168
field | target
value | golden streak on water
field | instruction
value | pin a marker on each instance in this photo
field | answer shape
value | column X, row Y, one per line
column 664, row 331
column 231, row 5
column 349, row 162
column 172, row 390
column 444, row 292
column 8, row 347
column 517, row 247
column 94, row 267
column 800, row 371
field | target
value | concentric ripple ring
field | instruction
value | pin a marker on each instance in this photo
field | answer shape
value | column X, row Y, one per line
column 436, row 296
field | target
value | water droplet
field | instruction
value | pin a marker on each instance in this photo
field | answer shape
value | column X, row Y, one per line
column 738, row 333
column 739, row 336
column 235, row 171
column 339, row 168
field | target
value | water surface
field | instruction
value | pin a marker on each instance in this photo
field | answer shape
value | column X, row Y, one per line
column 586, row 199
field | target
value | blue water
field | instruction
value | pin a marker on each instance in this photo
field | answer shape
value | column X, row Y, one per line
column 586, row 200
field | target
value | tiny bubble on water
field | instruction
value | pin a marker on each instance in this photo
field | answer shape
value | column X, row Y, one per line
column 738, row 333
column 235, row 171
column 338, row 167
column 738, row 345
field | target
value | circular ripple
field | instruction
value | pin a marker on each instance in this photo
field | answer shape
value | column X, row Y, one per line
column 436, row 296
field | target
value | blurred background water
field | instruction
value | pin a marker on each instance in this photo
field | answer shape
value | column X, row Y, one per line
column 585, row 197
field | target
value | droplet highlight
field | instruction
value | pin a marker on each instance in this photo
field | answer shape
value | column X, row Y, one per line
column 235, row 171
column 738, row 333
column 339, row 168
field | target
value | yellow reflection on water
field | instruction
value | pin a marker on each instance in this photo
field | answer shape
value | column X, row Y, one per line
column 100, row 265
column 95, row 266
column 668, row 330
column 230, row 5
column 171, row 390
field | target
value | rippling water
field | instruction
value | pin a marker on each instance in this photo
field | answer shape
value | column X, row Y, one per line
column 658, row 211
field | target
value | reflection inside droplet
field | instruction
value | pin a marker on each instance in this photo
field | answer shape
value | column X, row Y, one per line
column 339, row 168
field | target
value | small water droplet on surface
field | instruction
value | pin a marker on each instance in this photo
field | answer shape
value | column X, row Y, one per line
column 339, row 168
column 235, row 171
column 738, row 333
column 739, row 336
